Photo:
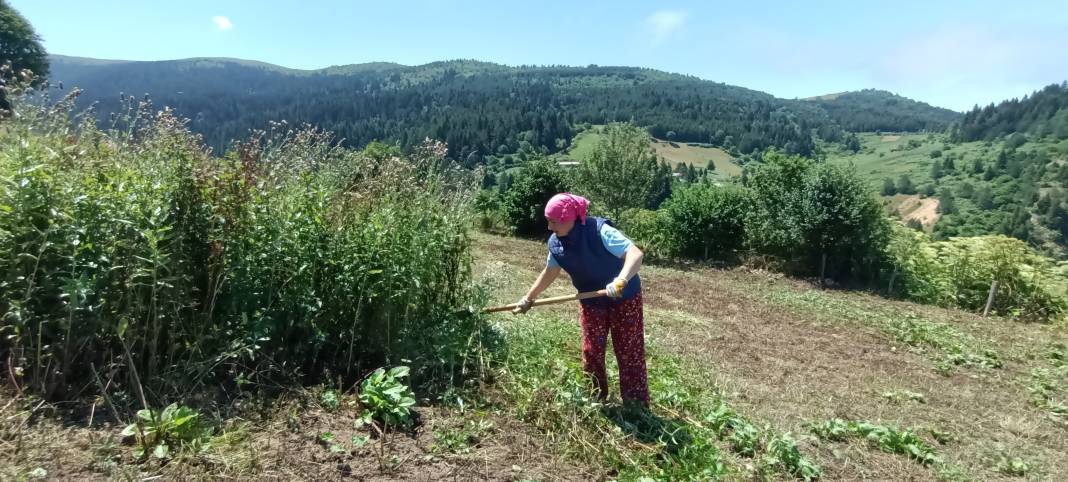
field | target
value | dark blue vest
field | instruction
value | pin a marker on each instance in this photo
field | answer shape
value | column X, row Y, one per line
column 582, row 254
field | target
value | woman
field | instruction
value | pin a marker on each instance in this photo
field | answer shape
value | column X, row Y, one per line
column 597, row 256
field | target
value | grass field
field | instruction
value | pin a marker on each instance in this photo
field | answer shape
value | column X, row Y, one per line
column 680, row 153
column 884, row 156
column 753, row 377
column 699, row 156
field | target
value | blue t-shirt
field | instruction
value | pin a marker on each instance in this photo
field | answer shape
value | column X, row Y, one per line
column 614, row 241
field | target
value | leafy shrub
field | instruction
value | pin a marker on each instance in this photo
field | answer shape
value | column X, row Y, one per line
column 702, row 220
column 783, row 452
column 645, row 228
column 385, row 399
column 174, row 429
column 523, row 204
column 834, row 429
column 288, row 256
column 959, row 272
column 803, row 210
column 1013, row 466
column 329, row 399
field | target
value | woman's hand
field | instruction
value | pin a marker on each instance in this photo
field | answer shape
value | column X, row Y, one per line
column 615, row 288
column 524, row 306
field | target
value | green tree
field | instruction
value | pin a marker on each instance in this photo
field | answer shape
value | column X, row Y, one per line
column 802, row 210
column 852, row 143
column 936, row 169
column 1043, row 204
column 20, row 46
column 845, row 221
column 904, row 185
column 984, row 198
column 889, row 189
column 523, row 205
column 776, row 224
column 702, row 220
column 947, row 204
column 967, row 190
column 623, row 172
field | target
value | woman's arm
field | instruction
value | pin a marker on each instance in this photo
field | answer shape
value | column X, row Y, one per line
column 632, row 261
column 546, row 278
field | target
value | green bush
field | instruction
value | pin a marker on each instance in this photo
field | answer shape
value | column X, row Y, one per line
column 162, row 433
column 959, row 272
column 705, row 221
column 645, row 228
column 803, row 210
column 523, row 204
column 287, row 257
column 385, row 399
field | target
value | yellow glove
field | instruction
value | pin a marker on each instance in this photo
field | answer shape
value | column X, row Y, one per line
column 615, row 288
column 524, row 306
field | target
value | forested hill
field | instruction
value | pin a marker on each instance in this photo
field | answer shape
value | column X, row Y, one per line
column 1043, row 113
column 480, row 109
column 872, row 110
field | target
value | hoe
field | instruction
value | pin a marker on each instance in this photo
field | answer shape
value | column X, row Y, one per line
column 549, row 301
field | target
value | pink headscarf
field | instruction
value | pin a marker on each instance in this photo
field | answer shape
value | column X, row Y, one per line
column 567, row 206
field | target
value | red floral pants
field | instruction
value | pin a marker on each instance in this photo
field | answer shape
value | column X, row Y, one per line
column 625, row 321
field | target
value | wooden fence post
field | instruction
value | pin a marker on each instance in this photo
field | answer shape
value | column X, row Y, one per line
column 823, row 268
column 890, row 287
column 990, row 297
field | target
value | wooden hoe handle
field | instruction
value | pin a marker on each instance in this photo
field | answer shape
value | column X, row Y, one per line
column 550, row 301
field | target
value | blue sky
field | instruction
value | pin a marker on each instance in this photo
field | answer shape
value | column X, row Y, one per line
column 948, row 53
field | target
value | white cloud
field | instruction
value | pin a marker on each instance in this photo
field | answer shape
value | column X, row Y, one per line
column 222, row 22
column 664, row 23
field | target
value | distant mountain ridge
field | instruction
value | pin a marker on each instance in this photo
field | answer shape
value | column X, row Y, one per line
column 484, row 111
column 871, row 110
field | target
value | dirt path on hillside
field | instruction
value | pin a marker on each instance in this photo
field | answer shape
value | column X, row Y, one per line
column 788, row 368
column 924, row 210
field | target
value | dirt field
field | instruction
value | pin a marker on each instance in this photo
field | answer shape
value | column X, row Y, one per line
column 924, row 210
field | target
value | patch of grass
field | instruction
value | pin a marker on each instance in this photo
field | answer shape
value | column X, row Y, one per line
column 1048, row 386
column 461, row 440
column 676, row 440
column 1013, row 466
column 898, row 396
column 952, row 348
column 698, row 155
column 886, row 437
column 681, row 153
